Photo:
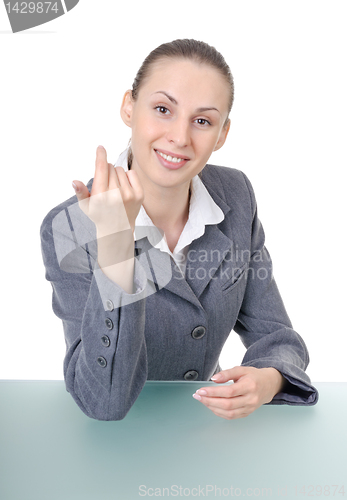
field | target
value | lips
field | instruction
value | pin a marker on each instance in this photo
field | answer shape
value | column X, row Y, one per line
column 172, row 155
column 171, row 160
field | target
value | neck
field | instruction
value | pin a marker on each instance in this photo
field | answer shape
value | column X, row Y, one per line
column 168, row 208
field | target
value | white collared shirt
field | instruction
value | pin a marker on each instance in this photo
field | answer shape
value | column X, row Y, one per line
column 202, row 211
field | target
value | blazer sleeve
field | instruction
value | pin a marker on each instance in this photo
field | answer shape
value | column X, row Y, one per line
column 105, row 367
column 265, row 328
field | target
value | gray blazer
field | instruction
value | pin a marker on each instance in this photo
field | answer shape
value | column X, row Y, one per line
column 172, row 327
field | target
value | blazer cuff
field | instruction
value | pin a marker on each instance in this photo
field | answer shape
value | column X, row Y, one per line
column 112, row 292
column 298, row 391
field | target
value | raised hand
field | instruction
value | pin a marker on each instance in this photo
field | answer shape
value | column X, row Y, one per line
column 115, row 199
column 113, row 205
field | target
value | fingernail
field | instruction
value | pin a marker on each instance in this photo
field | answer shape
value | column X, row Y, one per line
column 202, row 392
column 74, row 186
column 101, row 147
column 196, row 396
column 216, row 377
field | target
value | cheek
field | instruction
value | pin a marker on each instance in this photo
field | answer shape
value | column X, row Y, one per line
column 205, row 141
column 205, row 147
column 147, row 129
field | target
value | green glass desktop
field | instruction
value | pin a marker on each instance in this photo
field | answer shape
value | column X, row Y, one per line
column 168, row 446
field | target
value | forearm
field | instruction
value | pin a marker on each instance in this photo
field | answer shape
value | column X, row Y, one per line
column 116, row 258
column 103, row 378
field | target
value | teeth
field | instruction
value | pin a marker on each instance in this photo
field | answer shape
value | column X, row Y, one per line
column 173, row 159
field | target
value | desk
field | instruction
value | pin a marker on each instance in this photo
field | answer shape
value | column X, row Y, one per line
column 50, row 450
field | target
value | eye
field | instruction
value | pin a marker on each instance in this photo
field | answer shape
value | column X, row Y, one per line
column 202, row 121
column 162, row 110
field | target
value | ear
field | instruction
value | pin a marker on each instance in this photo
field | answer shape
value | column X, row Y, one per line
column 127, row 108
column 223, row 136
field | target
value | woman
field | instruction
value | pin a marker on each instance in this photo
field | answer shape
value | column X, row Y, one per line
column 157, row 259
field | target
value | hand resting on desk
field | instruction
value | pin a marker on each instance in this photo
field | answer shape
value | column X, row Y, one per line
column 252, row 388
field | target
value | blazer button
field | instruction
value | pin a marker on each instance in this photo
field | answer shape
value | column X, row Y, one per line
column 102, row 361
column 105, row 340
column 109, row 323
column 198, row 332
column 191, row 375
column 109, row 305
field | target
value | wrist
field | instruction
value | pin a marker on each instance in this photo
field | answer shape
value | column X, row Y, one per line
column 277, row 380
column 116, row 234
column 115, row 248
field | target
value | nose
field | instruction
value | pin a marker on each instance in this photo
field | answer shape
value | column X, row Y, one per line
column 178, row 132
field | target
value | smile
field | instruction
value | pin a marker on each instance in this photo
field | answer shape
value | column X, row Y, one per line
column 172, row 159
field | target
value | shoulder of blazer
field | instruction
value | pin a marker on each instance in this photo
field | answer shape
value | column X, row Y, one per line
column 46, row 224
column 230, row 184
column 47, row 221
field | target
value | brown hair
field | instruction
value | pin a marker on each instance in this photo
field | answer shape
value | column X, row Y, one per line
column 186, row 48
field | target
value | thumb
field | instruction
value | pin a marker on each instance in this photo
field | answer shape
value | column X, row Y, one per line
column 230, row 374
column 81, row 190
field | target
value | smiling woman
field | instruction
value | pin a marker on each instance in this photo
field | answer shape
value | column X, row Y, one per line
column 157, row 259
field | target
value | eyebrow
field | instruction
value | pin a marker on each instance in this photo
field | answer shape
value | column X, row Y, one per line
column 173, row 100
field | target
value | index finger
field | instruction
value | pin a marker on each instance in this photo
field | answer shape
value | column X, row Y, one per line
column 100, row 181
column 228, row 390
column 134, row 181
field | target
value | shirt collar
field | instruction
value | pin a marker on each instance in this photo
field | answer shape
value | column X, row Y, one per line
column 203, row 210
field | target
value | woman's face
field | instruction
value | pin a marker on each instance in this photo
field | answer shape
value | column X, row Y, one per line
column 177, row 121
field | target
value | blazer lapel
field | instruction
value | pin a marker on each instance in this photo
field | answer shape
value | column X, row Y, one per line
column 207, row 252
column 162, row 270
column 204, row 258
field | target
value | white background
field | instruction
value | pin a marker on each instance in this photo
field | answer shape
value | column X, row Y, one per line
column 61, row 88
